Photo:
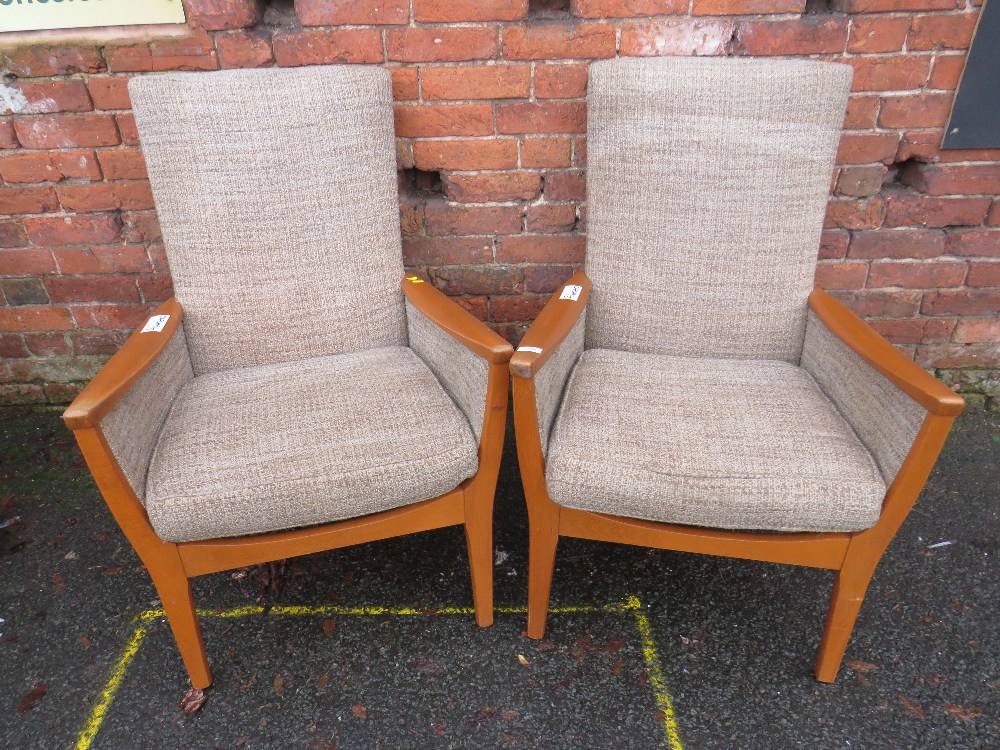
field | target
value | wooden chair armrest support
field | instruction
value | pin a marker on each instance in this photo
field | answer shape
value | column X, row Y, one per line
column 456, row 321
column 905, row 374
column 121, row 372
column 550, row 328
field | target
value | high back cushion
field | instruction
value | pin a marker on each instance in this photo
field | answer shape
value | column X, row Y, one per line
column 276, row 193
column 707, row 182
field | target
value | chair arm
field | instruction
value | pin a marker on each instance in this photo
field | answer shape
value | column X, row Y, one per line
column 551, row 327
column 456, row 321
column 905, row 374
column 122, row 371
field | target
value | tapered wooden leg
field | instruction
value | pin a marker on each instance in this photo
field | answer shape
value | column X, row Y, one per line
column 175, row 593
column 542, row 542
column 479, row 542
column 845, row 603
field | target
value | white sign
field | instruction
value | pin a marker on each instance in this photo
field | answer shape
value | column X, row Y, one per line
column 35, row 15
column 571, row 291
column 155, row 324
column 532, row 349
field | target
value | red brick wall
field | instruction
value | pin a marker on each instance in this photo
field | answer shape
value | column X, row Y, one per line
column 491, row 123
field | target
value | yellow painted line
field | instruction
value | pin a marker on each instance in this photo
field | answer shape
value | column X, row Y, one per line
column 108, row 694
column 632, row 604
column 655, row 673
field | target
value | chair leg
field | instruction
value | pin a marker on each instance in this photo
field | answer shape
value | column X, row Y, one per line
column 543, row 537
column 479, row 542
column 848, row 594
column 174, row 588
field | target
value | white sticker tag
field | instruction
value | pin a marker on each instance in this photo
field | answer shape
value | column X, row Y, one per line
column 532, row 349
column 156, row 323
column 571, row 291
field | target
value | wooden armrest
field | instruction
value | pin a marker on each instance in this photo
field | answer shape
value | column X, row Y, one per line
column 121, row 372
column 552, row 325
column 456, row 321
column 905, row 374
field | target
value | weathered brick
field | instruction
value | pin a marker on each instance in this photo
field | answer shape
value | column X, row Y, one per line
column 434, row 120
column 109, row 92
column 855, row 214
column 897, row 243
column 953, row 179
column 110, row 316
column 947, row 71
column 861, row 112
column 627, row 8
column 993, row 215
column 860, row 182
column 890, row 72
column 566, row 186
column 447, row 251
column 551, row 218
column 808, row 35
column 106, row 196
column 915, row 111
column 833, row 244
column 479, row 279
column 939, row 31
column 465, row 154
column 49, row 166
column 527, row 248
column 449, row 218
column 841, row 275
column 122, row 164
column 244, row 49
column 946, row 356
column 442, row 44
column 41, row 318
column 919, row 144
column 324, row 46
column 525, row 307
column 129, row 58
column 26, row 290
column 477, row 82
column 96, row 342
column 356, row 12
column 92, row 289
column 12, row 345
column 546, row 152
column 72, row 230
column 27, row 200
column 550, row 41
column 140, row 227
column 877, row 34
column 156, row 288
column 983, row 243
column 676, row 36
column 101, row 259
column 541, row 117
column 66, row 131
column 984, row 273
column 961, row 302
column 492, row 186
column 405, row 85
column 22, row 393
column 745, row 7
column 977, row 330
column 915, row 330
column 43, row 97
column 915, row 274
column 453, row 11
column 561, row 81
column 8, row 138
column 865, row 148
column 547, row 278
column 26, row 261
column 217, row 15
column 882, row 303
column 12, row 234
column 906, row 208
column 37, row 60
column 891, row 6
column 126, row 127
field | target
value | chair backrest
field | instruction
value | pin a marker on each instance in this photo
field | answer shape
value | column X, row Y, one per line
column 276, row 193
column 707, row 182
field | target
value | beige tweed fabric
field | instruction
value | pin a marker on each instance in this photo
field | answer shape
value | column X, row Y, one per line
column 722, row 443
column 885, row 418
column 299, row 443
column 276, row 192
column 707, row 181
column 133, row 426
column 462, row 373
column 550, row 381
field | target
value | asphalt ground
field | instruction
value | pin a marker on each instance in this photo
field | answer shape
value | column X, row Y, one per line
column 374, row 646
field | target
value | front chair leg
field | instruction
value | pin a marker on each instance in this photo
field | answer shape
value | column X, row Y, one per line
column 543, row 537
column 848, row 594
column 174, row 588
column 479, row 542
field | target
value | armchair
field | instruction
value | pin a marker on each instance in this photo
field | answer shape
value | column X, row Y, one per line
column 690, row 390
column 299, row 394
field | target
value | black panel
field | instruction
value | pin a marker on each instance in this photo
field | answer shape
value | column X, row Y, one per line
column 975, row 117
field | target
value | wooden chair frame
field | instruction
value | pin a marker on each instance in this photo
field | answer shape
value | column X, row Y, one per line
column 172, row 565
column 853, row 555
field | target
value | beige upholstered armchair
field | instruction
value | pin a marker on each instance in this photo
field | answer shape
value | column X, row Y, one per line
column 299, row 394
column 692, row 391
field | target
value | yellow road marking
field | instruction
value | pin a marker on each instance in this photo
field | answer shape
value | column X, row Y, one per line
column 649, row 652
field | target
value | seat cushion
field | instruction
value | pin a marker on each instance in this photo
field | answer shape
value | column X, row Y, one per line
column 722, row 443
column 278, row 446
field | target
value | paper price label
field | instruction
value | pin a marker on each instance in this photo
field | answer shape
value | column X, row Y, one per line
column 532, row 349
column 155, row 324
column 571, row 291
